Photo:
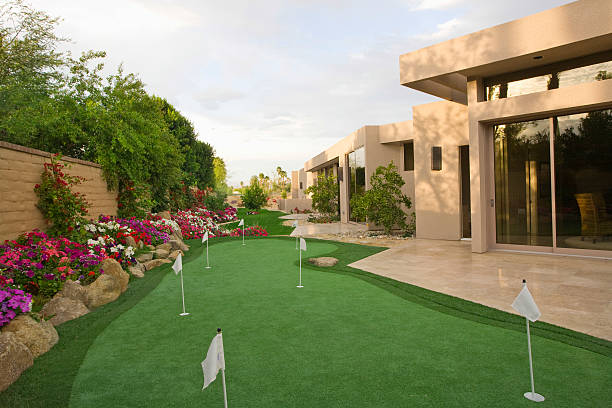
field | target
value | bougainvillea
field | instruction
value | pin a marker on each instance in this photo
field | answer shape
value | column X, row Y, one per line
column 60, row 206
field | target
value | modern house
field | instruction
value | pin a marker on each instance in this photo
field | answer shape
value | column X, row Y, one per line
column 539, row 101
column 518, row 156
column 423, row 151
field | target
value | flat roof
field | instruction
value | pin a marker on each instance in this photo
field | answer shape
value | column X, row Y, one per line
column 570, row 31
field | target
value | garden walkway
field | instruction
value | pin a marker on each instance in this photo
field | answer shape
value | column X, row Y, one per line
column 571, row 292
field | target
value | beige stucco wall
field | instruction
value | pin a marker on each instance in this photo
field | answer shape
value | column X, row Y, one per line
column 20, row 170
column 438, row 193
column 291, row 204
column 297, row 177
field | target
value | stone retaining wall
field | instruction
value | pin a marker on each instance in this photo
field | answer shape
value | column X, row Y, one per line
column 20, row 170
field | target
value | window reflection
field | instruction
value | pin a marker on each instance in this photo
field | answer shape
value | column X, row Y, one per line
column 356, row 161
column 553, row 80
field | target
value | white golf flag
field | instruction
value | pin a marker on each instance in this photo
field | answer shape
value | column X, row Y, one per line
column 178, row 264
column 241, row 223
column 205, row 237
column 525, row 305
column 214, row 361
column 295, row 224
column 302, row 244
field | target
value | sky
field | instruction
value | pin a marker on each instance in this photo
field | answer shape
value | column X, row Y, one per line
column 275, row 82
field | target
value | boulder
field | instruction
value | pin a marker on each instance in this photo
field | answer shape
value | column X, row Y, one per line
column 150, row 247
column 155, row 263
column 62, row 309
column 103, row 290
column 114, row 269
column 144, row 257
column 161, row 253
column 176, row 244
column 137, row 270
column 325, row 261
column 130, row 241
column 140, row 244
column 174, row 254
column 15, row 358
column 38, row 337
column 165, row 215
column 167, row 246
column 74, row 290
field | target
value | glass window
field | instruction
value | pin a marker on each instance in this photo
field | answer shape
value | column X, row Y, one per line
column 409, row 156
column 436, row 158
column 357, row 174
column 583, row 180
column 522, row 183
column 552, row 80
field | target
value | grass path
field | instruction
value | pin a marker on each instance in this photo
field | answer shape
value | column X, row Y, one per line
column 265, row 218
column 342, row 341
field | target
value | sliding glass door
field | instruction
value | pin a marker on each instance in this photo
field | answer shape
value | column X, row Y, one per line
column 568, row 206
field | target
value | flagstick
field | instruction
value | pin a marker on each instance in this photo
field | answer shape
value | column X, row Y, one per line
column 224, row 389
column 183, row 295
column 533, row 396
column 300, row 285
column 243, row 234
column 296, row 242
column 207, row 264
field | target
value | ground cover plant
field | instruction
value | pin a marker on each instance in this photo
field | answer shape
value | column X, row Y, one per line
column 386, row 343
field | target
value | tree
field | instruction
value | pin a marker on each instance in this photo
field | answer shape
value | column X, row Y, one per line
column 254, row 197
column 324, row 194
column 382, row 203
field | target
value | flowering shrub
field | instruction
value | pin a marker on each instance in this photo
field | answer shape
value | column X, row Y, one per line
column 195, row 223
column 150, row 232
column 56, row 201
column 256, row 231
column 13, row 301
column 40, row 264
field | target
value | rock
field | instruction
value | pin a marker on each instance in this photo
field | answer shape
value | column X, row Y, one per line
column 177, row 234
column 103, row 290
column 161, row 253
column 62, row 309
column 144, row 257
column 136, row 272
column 165, row 215
column 325, row 261
column 140, row 244
column 176, row 244
column 155, row 263
column 37, row 337
column 74, row 290
column 114, row 269
column 130, row 241
column 150, row 247
column 174, row 254
column 167, row 246
column 15, row 358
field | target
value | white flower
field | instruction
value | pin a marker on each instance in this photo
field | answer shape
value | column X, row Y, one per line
column 114, row 249
column 100, row 229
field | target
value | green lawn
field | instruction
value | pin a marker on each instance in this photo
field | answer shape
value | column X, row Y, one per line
column 267, row 219
column 348, row 339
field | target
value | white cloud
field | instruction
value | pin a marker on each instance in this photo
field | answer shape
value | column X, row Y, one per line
column 435, row 4
column 212, row 97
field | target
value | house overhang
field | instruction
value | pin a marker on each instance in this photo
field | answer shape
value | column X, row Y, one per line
column 568, row 32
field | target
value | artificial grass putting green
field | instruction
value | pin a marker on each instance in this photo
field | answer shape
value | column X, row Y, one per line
column 266, row 219
column 340, row 341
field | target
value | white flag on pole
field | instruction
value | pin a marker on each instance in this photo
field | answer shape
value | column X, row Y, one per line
column 214, row 361
column 241, row 223
column 178, row 264
column 295, row 224
column 525, row 305
column 302, row 244
column 205, row 237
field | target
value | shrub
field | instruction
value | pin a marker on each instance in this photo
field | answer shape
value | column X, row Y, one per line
column 382, row 203
column 324, row 194
column 254, row 197
column 56, row 201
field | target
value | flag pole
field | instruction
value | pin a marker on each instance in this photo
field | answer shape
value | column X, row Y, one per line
column 207, row 264
column 296, row 242
column 183, row 295
column 300, row 285
column 532, row 396
column 243, row 233
column 219, row 331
